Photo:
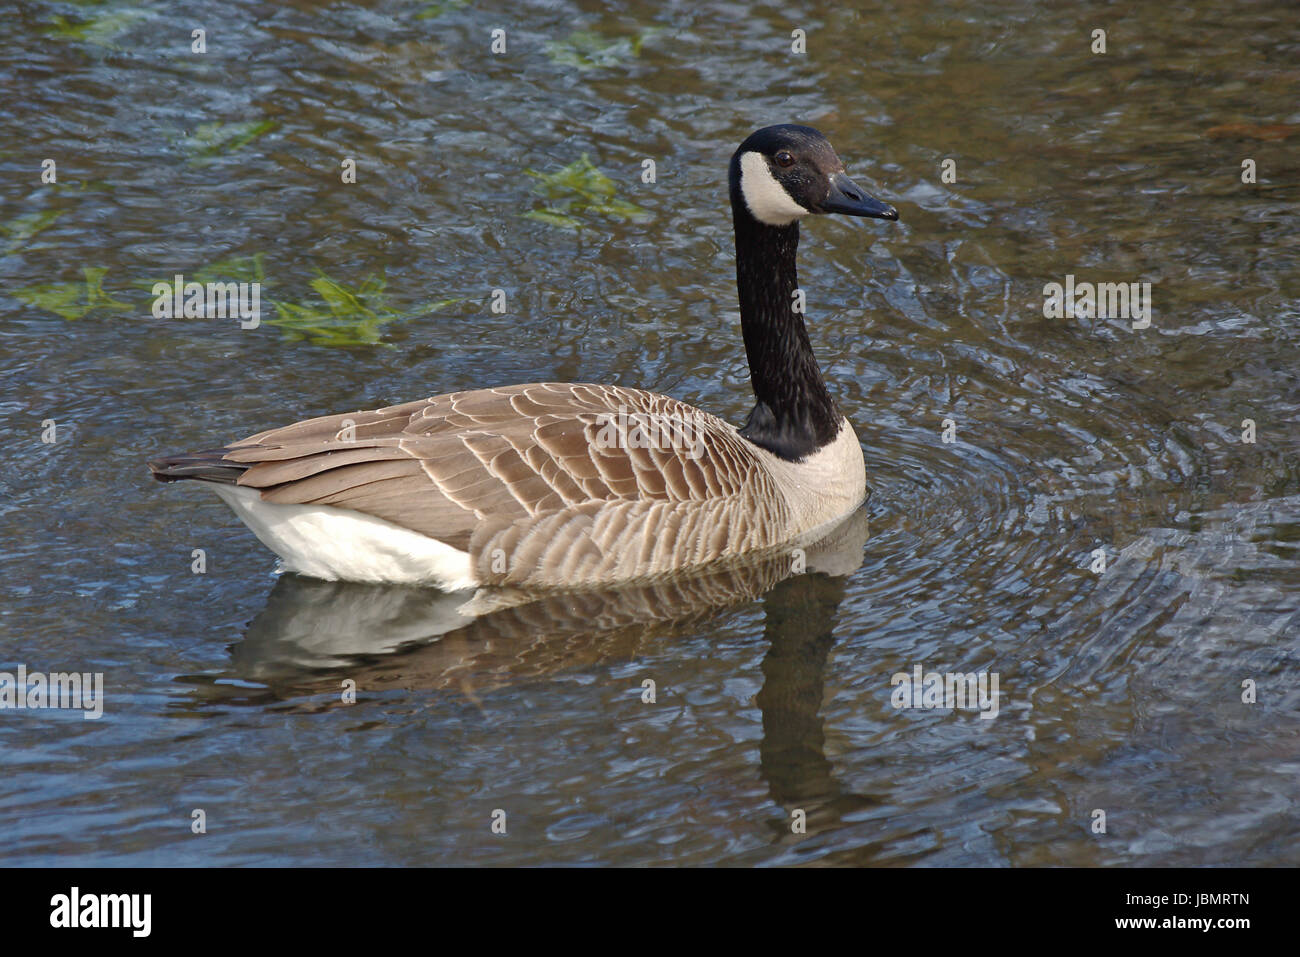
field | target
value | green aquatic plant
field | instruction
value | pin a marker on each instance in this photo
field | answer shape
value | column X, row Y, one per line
column 22, row 228
column 211, row 140
column 27, row 226
column 434, row 10
column 587, row 50
column 343, row 316
column 577, row 190
column 98, row 31
column 340, row 316
column 235, row 269
column 72, row 300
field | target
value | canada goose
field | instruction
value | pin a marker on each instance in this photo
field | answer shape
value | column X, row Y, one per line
column 574, row 484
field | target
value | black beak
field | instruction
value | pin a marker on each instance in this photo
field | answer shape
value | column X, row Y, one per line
column 851, row 200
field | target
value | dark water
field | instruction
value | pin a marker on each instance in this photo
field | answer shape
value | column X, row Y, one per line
column 1121, row 690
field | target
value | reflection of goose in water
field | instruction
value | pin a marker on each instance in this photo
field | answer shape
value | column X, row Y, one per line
column 418, row 638
column 312, row 634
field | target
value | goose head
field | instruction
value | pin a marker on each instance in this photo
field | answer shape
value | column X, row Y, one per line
column 781, row 174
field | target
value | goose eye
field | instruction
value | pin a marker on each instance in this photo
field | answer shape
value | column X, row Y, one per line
column 784, row 158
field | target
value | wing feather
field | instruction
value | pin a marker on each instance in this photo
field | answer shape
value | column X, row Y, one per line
column 527, row 480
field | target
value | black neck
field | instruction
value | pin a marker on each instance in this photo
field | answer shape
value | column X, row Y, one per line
column 795, row 414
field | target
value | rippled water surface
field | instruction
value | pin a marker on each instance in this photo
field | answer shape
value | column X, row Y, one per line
column 1121, row 690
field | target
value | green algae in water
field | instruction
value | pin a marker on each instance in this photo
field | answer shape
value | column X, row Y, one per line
column 578, row 190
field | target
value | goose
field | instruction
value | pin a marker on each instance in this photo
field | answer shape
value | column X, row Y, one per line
column 562, row 485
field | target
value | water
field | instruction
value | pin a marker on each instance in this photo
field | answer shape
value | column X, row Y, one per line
column 1121, row 690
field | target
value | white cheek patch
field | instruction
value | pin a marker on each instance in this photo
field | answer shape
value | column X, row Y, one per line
column 765, row 197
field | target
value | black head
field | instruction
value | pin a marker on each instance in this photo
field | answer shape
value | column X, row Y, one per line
column 783, row 173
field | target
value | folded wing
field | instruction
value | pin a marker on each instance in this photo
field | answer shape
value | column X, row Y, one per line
column 542, row 484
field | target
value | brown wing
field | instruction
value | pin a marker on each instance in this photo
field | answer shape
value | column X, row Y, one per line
column 541, row 483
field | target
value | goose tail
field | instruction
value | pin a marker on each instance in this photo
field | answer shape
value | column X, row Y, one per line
column 206, row 466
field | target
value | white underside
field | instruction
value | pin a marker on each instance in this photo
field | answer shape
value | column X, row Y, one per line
column 338, row 544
